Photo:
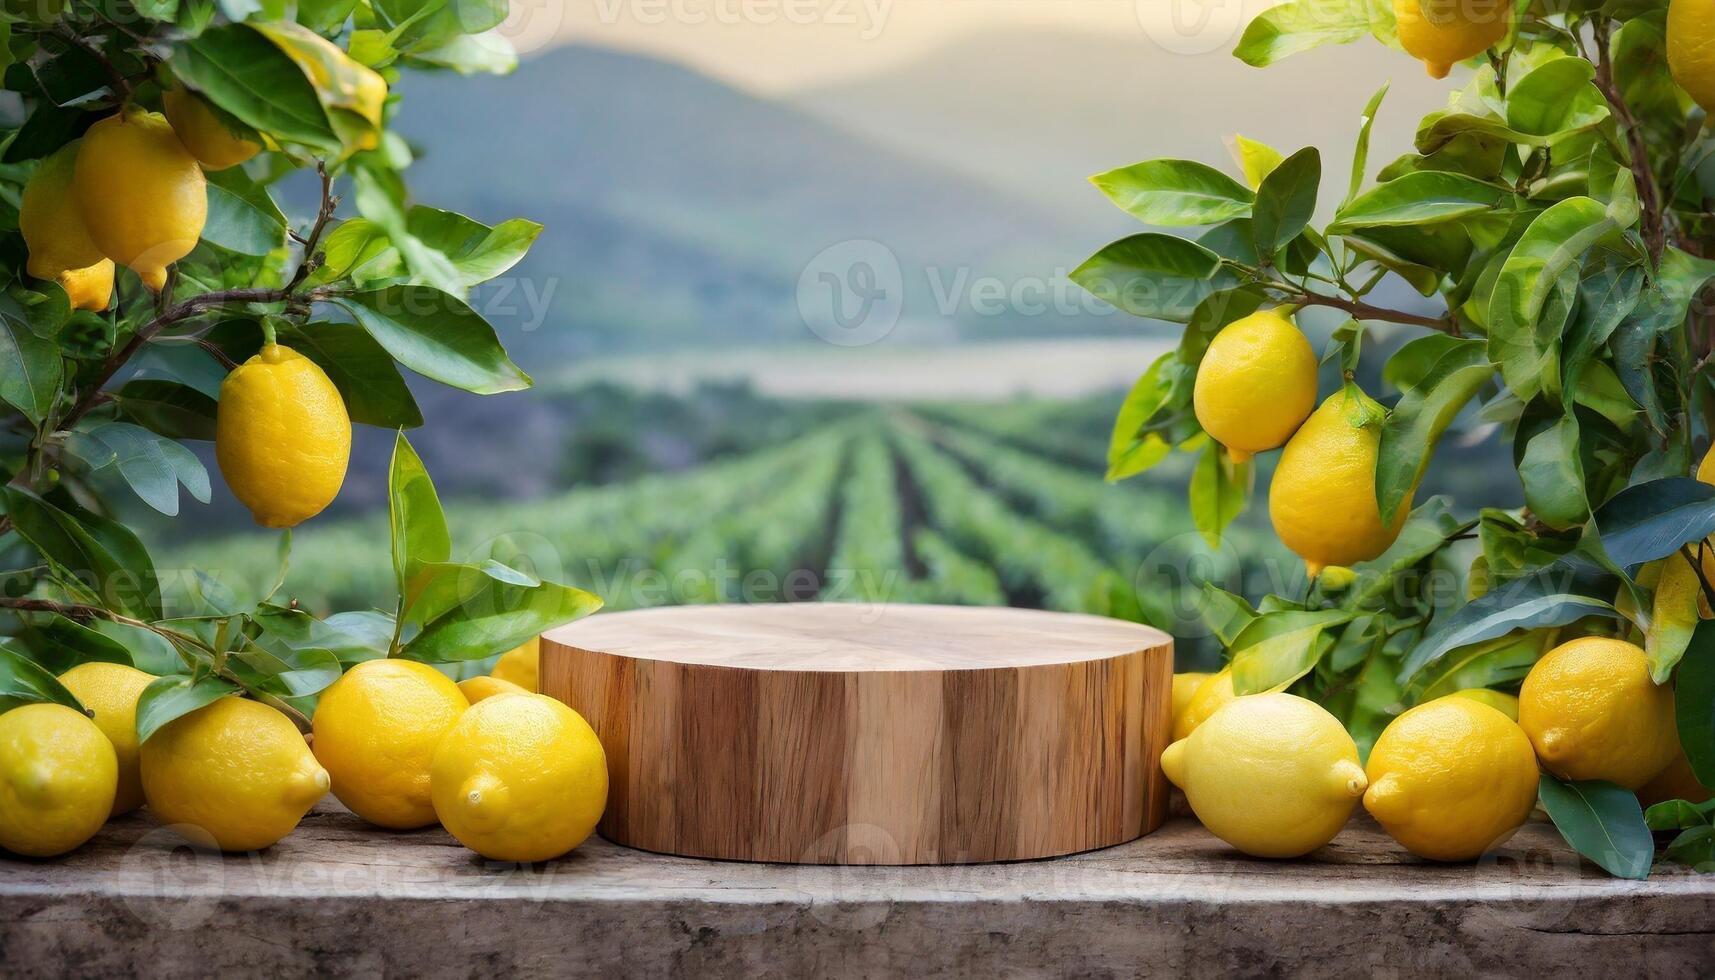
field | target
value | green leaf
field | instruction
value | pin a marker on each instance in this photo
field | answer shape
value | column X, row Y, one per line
column 1131, row 449
column 1419, row 198
column 1256, row 159
column 176, row 695
column 1604, row 299
column 1680, row 815
column 368, row 381
column 1694, row 702
column 496, row 616
column 169, row 408
column 153, row 466
column 418, row 526
column 1549, row 247
column 488, row 53
column 270, row 662
column 69, row 643
column 150, row 652
column 1361, row 152
column 1294, row 27
column 1695, row 848
column 351, row 94
column 477, row 252
column 1409, row 434
column 1217, row 492
column 1553, row 475
column 437, row 336
column 30, row 370
column 1492, row 663
column 1277, row 648
column 1603, row 822
column 1286, row 200
column 103, row 555
column 23, row 681
column 1175, row 192
column 242, row 72
column 1556, row 99
column 1652, row 520
column 1225, row 614
column 1530, row 602
column 1152, row 275
column 242, row 217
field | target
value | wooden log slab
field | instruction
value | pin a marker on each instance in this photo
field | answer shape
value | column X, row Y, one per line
column 870, row 734
column 340, row 898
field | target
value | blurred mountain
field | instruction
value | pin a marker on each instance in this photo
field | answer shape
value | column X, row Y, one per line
column 680, row 211
column 1036, row 113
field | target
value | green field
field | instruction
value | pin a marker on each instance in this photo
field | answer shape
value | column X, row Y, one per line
column 968, row 504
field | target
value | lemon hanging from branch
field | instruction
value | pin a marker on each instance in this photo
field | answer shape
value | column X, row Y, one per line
column 140, row 192
column 1256, row 384
column 1691, row 49
column 1323, row 496
column 282, row 436
column 1442, row 33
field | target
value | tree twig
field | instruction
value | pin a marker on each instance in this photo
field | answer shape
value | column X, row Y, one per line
column 1364, row 311
column 116, row 79
column 1649, row 197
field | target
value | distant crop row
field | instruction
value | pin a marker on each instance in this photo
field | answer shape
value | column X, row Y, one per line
column 876, row 508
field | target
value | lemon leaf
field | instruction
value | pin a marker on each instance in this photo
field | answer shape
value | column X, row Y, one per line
column 1291, row 28
column 23, row 681
column 1652, row 520
column 1673, row 616
column 1603, row 822
column 1285, row 201
column 1424, row 412
column 1153, row 275
column 1218, row 487
column 1256, row 158
column 417, row 524
column 243, row 72
column 1277, row 648
column 437, row 336
column 30, row 369
column 174, row 696
column 1694, row 703
column 1175, row 192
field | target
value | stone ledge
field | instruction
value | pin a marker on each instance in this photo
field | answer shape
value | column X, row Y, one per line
column 340, row 898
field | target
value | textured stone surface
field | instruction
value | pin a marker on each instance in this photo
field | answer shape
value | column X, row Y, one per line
column 338, row 898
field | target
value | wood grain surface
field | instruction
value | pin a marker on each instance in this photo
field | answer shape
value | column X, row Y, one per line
column 870, row 734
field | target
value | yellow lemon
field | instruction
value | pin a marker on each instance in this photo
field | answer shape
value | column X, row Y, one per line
column 1256, row 384
column 1209, row 697
column 282, row 436
column 91, row 288
column 521, row 665
column 376, row 730
column 208, row 137
column 236, row 770
column 477, row 688
column 59, row 245
column 1274, row 775
column 1322, row 498
column 58, row 775
column 1442, row 33
column 140, row 193
column 111, row 691
column 1184, row 687
column 1592, row 712
column 1676, row 782
column 1506, row 704
column 1691, row 53
column 1451, row 779
column 521, row 777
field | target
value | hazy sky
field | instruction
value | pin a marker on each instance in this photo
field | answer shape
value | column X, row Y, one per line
column 781, row 45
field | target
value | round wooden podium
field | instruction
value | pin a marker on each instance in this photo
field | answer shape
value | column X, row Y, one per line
column 870, row 734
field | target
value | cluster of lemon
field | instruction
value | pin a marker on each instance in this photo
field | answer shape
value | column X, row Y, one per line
column 1255, row 391
column 1276, row 775
column 514, row 775
column 130, row 191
